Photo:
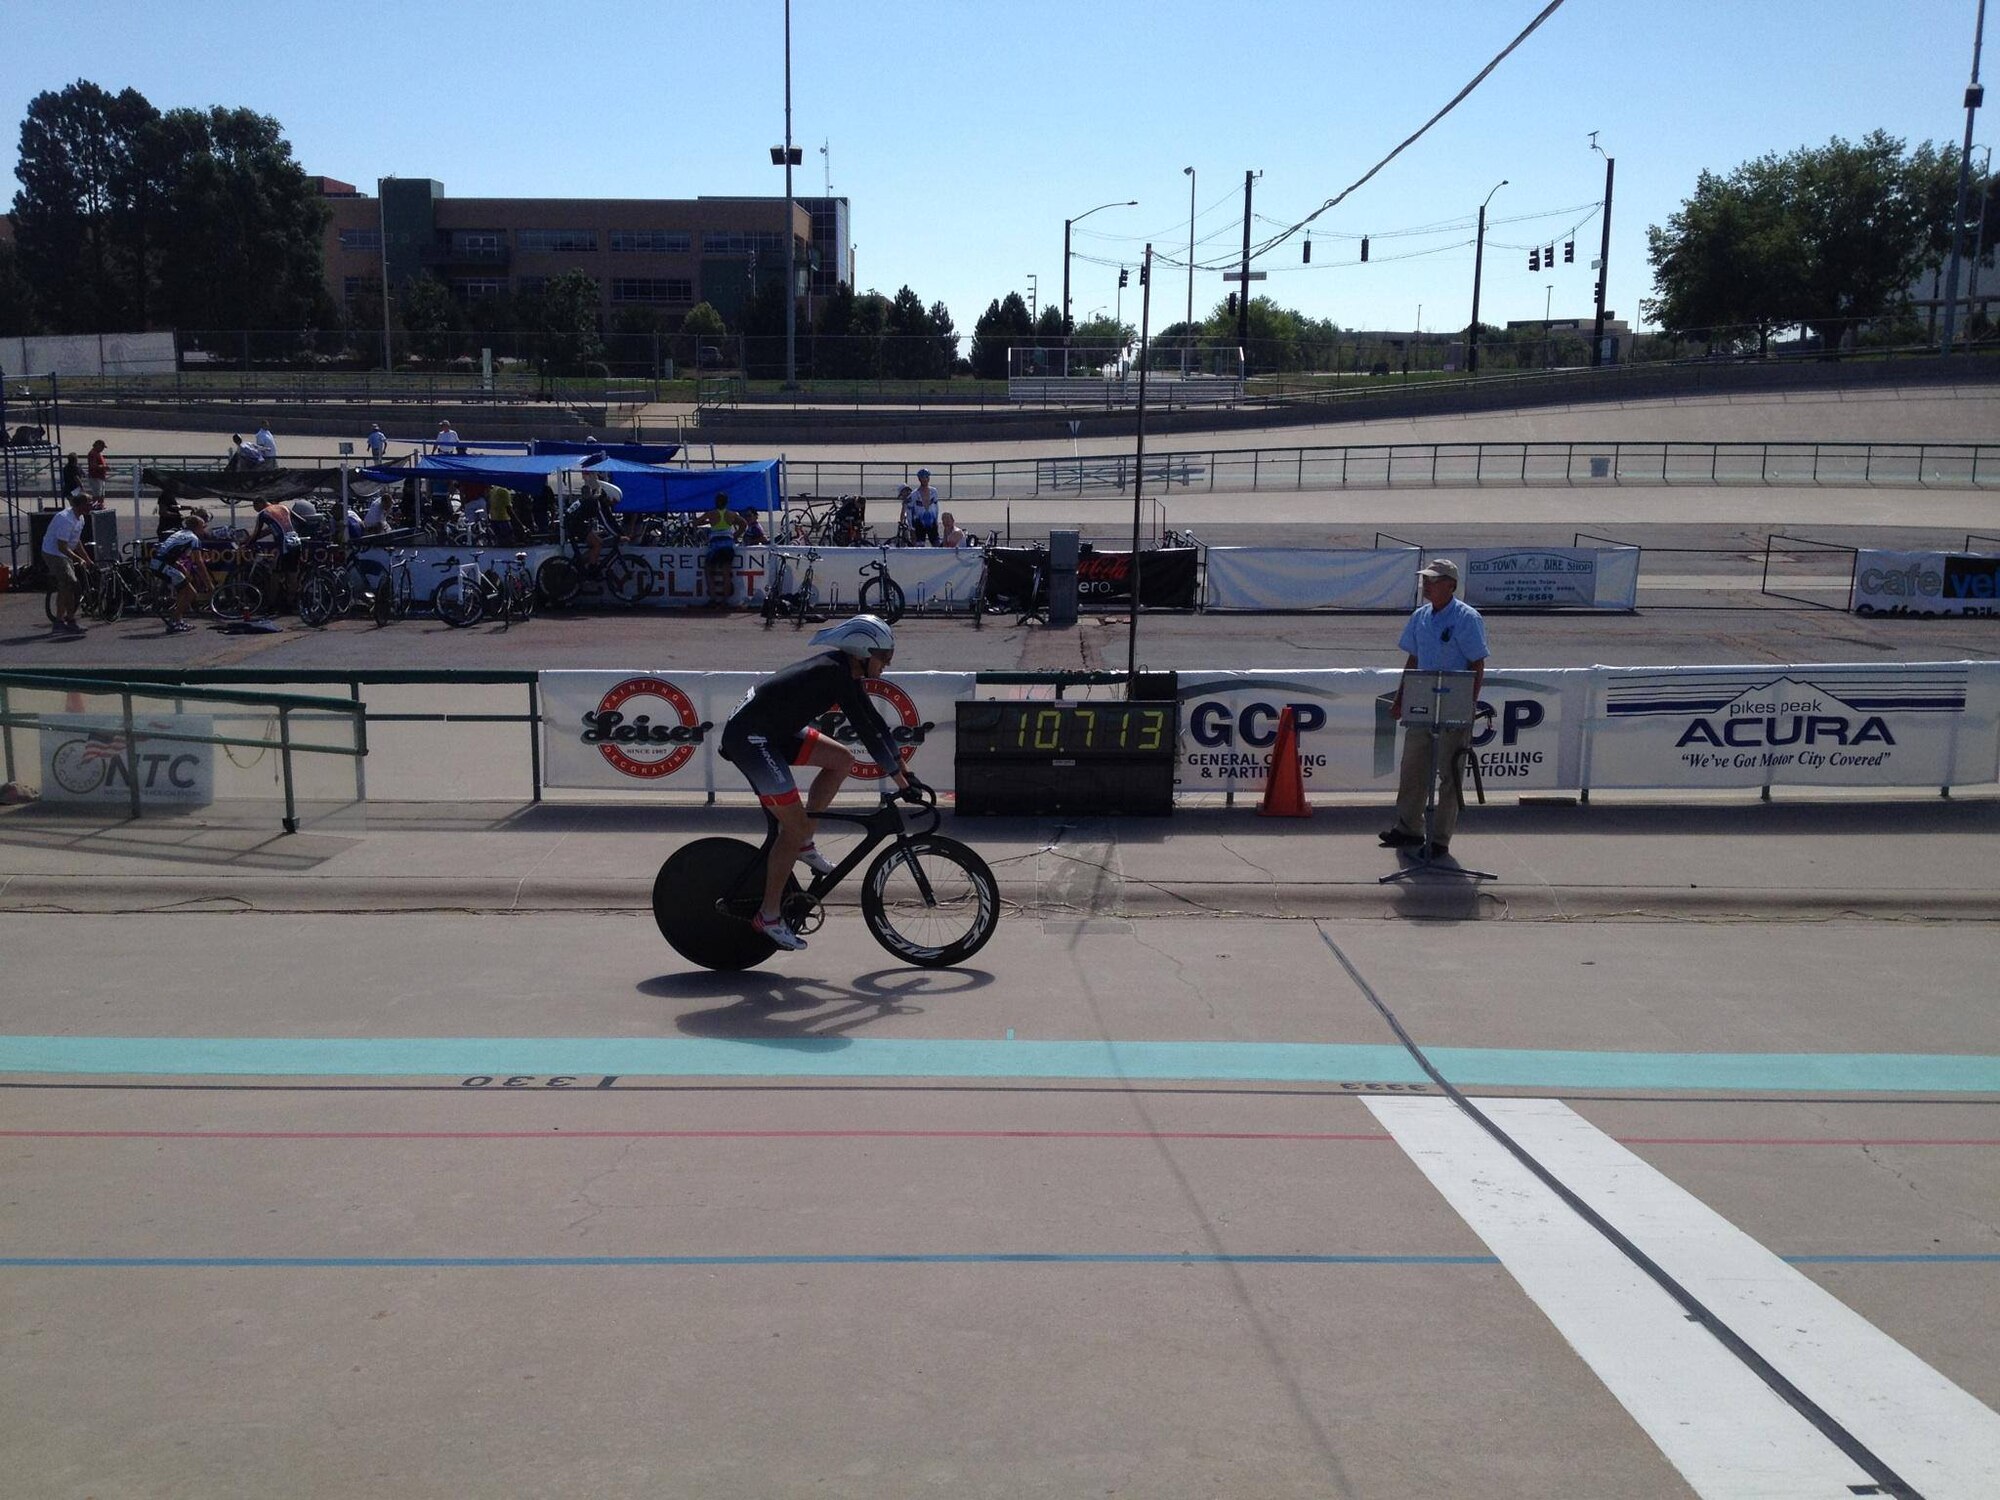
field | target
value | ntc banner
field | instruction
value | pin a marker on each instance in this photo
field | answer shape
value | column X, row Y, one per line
column 1925, row 583
column 1349, row 742
column 633, row 730
column 1103, row 579
column 1297, row 578
column 84, row 759
column 1864, row 725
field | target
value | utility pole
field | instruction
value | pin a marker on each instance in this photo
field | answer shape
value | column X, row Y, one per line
column 1604, row 254
column 1139, row 465
column 1243, row 306
column 791, row 247
column 1973, row 95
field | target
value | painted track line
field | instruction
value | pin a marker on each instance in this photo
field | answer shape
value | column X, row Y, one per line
column 557, row 1133
column 1692, row 1396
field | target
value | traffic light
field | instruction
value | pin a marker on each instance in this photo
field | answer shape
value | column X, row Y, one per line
column 1232, row 304
column 1549, row 257
column 1144, row 272
column 1534, row 260
column 1569, row 251
column 1364, row 247
column 1309, row 252
column 1122, row 278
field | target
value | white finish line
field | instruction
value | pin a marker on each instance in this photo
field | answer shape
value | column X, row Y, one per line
column 1727, row 1432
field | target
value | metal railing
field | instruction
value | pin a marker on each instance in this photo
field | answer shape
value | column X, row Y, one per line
column 285, row 711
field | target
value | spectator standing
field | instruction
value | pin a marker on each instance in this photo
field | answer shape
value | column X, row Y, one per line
column 97, row 470
column 378, row 442
column 64, row 557
column 1444, row 635
column 72, row 475
column 167, row 517
column 500, row 512
column 267, row 447
column 922, row 511
column 447, row 439
column 720, row 561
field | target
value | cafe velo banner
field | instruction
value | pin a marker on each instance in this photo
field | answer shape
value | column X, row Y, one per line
column 635, row 731
column 1348, row 741
column 1308, row 578
column 1892, row 724
column 1925, row 584
column 1549, row 577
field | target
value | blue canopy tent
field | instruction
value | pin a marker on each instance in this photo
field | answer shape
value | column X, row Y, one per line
column 647, row 488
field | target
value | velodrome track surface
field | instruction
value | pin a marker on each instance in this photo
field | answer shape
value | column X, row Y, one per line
column 322, row 1202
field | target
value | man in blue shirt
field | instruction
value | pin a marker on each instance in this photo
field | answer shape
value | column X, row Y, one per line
column 1444, row 635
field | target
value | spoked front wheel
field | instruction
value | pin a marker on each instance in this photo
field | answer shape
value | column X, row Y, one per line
column 883, row 596
column 931, row 901
column 699, row 901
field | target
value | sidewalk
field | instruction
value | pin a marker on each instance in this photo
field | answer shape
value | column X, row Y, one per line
column 1903, row 857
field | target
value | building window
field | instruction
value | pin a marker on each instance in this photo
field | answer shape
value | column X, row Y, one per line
column 652, row 241
column 477, row 244
column 651, row 289
column 352, row 287
column 477, row 288
column 555, row 239
column 361, row 239
column 741, row 242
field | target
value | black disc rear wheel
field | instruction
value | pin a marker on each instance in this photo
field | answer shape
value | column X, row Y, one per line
column 686, row 896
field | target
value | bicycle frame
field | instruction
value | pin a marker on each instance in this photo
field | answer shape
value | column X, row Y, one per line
column 888, row 821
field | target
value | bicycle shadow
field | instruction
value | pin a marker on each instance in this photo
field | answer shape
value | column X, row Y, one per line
column 781, row 1010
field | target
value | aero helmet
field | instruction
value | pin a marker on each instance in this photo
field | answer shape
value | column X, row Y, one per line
column 863, row 636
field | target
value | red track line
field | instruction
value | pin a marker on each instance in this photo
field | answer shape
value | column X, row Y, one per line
column 977, row 1135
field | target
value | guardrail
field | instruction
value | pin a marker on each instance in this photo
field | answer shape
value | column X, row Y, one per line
column 122, row 744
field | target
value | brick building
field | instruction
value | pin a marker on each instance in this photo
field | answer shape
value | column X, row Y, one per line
column 661, row 253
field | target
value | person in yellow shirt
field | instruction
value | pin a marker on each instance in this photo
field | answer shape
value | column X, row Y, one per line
column 500, row 513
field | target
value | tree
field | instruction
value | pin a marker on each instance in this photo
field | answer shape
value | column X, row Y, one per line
column 73, row 216
column 565, row 314
column 1822, row 237
column 943, row 351
column 427, row 310
column 17, row 298
column 1097, row 342
column 1004, row 324
column 905, row 355
column 702, row 326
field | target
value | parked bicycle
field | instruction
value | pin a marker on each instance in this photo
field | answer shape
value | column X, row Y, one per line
column 474, row 592
column 881, row 594
column 927, row 899
column 1027, row 604
column 383, row 589
column 797, row 605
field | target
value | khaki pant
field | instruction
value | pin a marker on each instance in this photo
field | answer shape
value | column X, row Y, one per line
column 1416, row 766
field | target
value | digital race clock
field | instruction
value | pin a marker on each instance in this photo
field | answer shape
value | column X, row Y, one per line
column 1086, row 757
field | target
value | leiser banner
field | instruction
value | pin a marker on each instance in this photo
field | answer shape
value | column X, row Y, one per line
column 636, row 730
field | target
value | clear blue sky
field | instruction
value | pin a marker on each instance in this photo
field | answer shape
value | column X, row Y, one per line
column 964, row 131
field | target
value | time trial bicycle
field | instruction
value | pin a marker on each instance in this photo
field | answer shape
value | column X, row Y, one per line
column 929, row 900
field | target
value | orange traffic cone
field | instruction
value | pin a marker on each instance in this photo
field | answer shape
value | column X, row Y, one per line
column 1285, row 787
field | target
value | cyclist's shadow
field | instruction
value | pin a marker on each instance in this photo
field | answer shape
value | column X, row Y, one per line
column 774, row 1008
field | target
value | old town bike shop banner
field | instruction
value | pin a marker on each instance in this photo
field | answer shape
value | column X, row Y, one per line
column 1384, row 578
column 1924, row 584
column 659, row 730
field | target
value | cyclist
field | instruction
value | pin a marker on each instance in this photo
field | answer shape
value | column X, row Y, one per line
column 771, row 731
column 920, row 512
column 588, row 517
column 275, row 519
column 177, row 559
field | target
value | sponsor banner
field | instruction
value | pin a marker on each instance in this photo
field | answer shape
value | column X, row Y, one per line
column 1347, row 740
column 83, row 760
column 1925, row 583
column 634, row 730
column 1866, row 725
column 1103, row 578
column 1549, row 577
column 930, row 577
column 1293, row 578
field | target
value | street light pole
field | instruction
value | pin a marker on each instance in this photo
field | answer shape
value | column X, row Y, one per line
column 1126, row 203
column 1979, row 238
column 1190, row 302
column 791, row 249
column 1603, row 256
column 1973, row 95
column 1478, row 264
column 1548, row 296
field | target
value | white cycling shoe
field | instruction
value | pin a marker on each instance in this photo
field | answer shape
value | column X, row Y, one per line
column 778, row 931
column 815, row 861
